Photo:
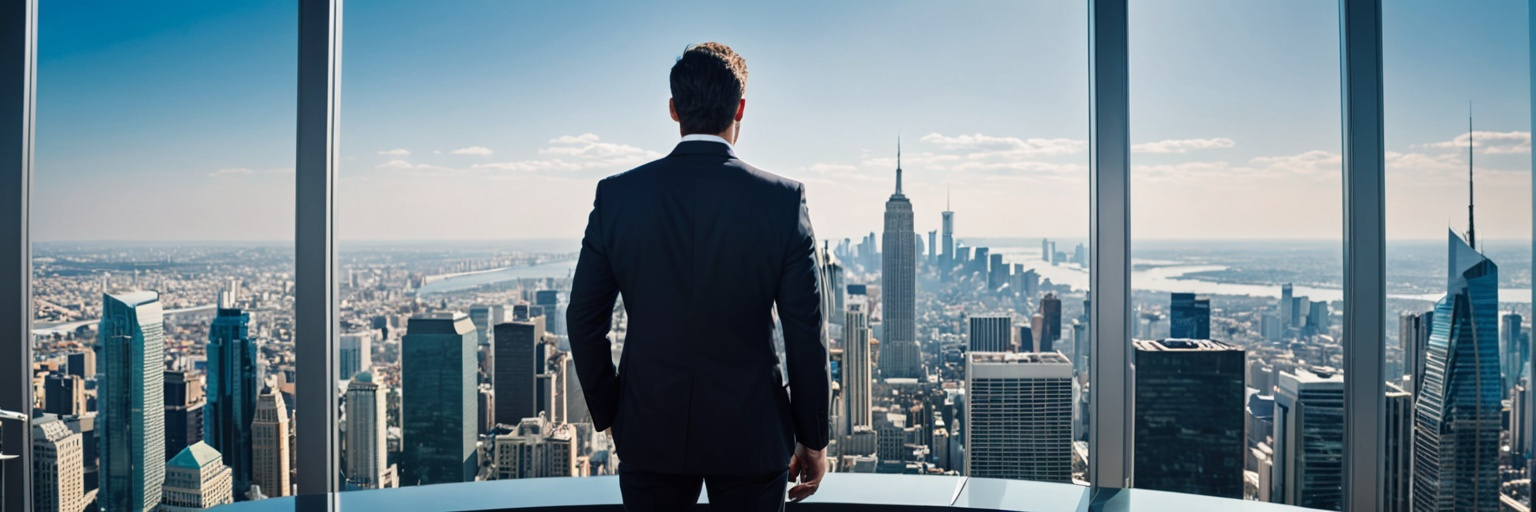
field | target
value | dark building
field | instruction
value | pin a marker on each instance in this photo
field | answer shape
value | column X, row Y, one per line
column 64, row 394
column 517, row 349
column 1189, row 425
column 1189, row 317
column 183, row 412
column 1050, row 308
column 231, row 397
column 82, row 364
column 438, row 400
column 991, row 334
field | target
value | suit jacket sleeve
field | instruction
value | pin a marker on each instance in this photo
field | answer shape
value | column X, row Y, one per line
column 589, row 317
column 805, row 349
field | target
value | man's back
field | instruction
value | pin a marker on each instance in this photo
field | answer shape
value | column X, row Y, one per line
column 704, row 248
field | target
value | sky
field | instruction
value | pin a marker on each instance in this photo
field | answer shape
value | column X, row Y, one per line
column 492, row 120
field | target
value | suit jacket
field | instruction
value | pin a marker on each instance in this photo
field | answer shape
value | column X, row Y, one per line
column 702, row 247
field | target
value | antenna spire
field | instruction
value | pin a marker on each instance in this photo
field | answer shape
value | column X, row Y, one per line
column 1471, row 231
column 946, row 197
column 898, row 163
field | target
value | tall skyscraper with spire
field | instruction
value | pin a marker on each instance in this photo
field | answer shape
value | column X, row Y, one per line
column 899, row 356
column 131, row 341
column 1457, row 417
column 947, row 258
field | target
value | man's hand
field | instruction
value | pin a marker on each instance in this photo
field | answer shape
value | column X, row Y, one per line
column 807, row 467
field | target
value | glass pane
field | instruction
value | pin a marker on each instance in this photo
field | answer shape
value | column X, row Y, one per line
column 476, row 133
column 163, row 227
column 1458, row 288
column 1236, row 216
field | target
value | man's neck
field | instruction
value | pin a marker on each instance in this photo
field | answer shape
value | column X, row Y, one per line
column 707, row 137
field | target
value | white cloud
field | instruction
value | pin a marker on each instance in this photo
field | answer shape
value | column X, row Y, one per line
column 1492, row 143
column 473, row 150
column 1007, row 145
column 396, row 152
column 1183, row 145
column 578, row 153
column 233, row 171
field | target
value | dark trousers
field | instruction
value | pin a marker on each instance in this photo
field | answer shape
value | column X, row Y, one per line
column 659, row 492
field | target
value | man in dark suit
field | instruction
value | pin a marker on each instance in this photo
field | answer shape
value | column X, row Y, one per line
column 703, row 247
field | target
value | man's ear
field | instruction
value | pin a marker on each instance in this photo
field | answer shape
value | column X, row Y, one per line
column 741, row 108
column 672, row 107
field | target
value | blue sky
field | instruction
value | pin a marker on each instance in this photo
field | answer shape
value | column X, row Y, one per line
column 493, row 120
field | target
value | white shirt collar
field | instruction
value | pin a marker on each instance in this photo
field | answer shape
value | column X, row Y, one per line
column 707, row 137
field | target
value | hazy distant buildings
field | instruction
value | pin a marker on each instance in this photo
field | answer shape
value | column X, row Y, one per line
column 1413, row 336
column 195, row 479
column 58, row 475
column 356, row 354
column 1309, row 440
column 366, row 464
column 1189, row 317
column 1189, row 403
column 991, row 333
column 269, row 445
column 64, row 394
column 1019, row 416
column 130, row 394
column 1457, row 417
column 554, row 316
column 232, row 386
column 517, row 363
column 1513, row 346
column 899, row 354
column 438, row 406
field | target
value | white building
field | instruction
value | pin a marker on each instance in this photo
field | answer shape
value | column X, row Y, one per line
column 58, row 472
column 196, row 479
column 1018, row 416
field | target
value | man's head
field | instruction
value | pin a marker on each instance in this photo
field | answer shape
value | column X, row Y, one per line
column 708, row 82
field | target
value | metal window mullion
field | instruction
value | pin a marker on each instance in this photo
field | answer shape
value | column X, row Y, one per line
column 1530, row 355
column 1110, row 255
column 18, row 92
column 1364, row 253
column 315, row 300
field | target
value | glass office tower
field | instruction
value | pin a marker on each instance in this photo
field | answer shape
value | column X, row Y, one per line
column 232, row 388
column 131, row 343
column 438, row 400
column 1189, row 417
column 1457, row 418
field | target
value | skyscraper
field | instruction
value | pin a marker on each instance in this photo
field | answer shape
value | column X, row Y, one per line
column 1189, row 317
column 516, row 364
column 1309, row 440
column 1457, row 418
column 535, row 448
column 1018, row 416
column 1512, row 349
column 58, row 474
column 857, row 374
column 1399, row 451
column 899, row 355
column 554, row 317
column 1413, row 335
column 196, row 478
column 366, row 465
column 130, row 394
column 1287, row 306
column 269, row 444
column 438, row 405
column 1050, row 310
column 991, row 333
column 1189, row 406
column 183, row 411
column 232, row 388
column 947, row 260
column 356, row 354
column 64, row 394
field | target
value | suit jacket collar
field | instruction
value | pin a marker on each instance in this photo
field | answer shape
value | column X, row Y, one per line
column 702, row 147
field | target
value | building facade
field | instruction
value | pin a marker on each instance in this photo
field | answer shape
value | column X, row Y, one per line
column 130, row 398
column 1309, row 440
column 899, row 354
column 517, row 354
column 1189, row 425
column 270, row 454
column 232, row 386
column 1189, row 317
column 438, row 400
column 366, row 466
column 196, row 479
column 990, row 333
column 58, row 471
column 1018, row 416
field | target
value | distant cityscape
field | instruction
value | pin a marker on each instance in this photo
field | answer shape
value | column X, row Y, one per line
column 950, row 355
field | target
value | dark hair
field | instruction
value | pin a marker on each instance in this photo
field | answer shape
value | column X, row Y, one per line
column 707, row 84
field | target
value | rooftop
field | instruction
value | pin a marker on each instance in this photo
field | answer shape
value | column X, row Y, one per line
column 1182, row 345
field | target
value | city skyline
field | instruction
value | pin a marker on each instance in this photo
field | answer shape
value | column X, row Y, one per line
column 412, row 138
